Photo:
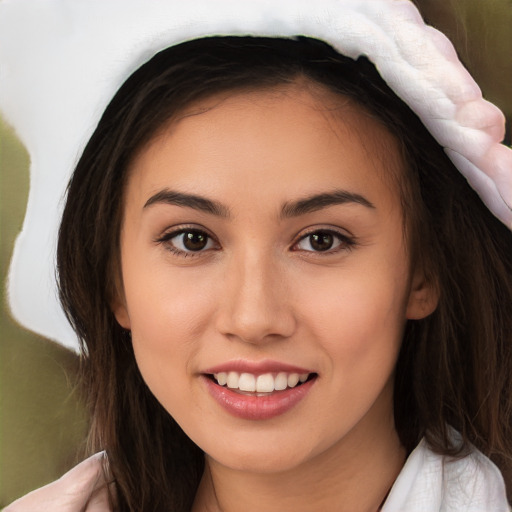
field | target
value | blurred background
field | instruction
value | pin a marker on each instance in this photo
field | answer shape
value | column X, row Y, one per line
column 42, row 423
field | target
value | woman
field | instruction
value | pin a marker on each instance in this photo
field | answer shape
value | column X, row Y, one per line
column 265, row 255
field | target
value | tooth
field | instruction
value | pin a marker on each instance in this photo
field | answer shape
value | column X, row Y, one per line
column 247, row 382
column 232, row 380
column 293, row 380
column 281, row 381
column 265, row 383
column 221, row 378
column 304, row 377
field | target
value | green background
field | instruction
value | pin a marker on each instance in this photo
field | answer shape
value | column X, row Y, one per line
column 42, row 425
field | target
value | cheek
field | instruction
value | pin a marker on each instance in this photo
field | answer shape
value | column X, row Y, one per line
column 168, row 313
column 359, row 326
column 358, row 317
column 163, row 301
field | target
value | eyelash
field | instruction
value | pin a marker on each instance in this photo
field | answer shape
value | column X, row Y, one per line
column 345, row 242
column 167, row 237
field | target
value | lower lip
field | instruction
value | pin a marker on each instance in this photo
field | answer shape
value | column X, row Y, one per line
column 252, row 407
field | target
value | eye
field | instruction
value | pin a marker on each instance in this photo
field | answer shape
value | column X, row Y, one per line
column 323, row 241
column 187, row 241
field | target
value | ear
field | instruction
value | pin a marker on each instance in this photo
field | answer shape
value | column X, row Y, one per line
column 121, row 313
column 120, row 310
column 116, row 297
column 423, row 296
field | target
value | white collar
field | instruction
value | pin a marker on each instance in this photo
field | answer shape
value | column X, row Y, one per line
column 430, row 482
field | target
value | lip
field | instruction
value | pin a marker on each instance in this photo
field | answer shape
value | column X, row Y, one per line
column 256, row 367
column 253, row 407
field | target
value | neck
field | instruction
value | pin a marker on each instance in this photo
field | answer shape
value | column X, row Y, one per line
column 355, row 475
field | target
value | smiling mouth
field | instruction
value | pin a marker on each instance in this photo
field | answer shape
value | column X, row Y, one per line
column 264, row 392
column 265, row 384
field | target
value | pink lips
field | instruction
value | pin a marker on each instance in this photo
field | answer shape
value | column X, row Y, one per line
column 256, row 368
column 252, row 406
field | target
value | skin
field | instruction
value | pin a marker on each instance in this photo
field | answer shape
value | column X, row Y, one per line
column 258, row 291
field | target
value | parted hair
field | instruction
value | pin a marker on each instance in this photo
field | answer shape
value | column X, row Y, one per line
column 454, row 370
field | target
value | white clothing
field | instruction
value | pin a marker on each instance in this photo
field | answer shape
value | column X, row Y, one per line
column 430, row 482
column 427, row 483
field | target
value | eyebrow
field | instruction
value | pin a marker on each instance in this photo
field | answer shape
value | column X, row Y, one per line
column 324, row 200
column 293, row 209
column 200, row 203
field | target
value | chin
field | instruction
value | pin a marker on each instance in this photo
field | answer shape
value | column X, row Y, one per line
column 263, row 460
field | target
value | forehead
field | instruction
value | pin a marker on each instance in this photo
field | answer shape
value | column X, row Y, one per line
column 260, row 134
column 312, row 99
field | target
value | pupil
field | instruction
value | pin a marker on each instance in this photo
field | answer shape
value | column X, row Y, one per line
column 321, row 241
column 194, row 241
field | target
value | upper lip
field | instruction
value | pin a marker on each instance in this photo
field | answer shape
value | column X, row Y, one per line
column 256, row 367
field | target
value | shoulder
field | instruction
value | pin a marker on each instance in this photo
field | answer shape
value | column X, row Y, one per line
column 82, row 489
column 430, row 481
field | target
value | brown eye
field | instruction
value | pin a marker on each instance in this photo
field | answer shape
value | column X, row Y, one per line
column 188, row 241
column 323, row 241
column 194, row 240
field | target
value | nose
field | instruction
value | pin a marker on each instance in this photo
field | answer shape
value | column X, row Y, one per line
column 255, row 306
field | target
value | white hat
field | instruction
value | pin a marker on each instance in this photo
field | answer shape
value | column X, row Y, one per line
column 61, row 61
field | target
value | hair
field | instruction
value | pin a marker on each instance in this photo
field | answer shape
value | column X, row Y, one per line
column 454, row 370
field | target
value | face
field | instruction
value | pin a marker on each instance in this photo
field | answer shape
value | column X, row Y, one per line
column 262, row 246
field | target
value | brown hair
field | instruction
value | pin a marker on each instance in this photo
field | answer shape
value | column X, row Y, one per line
column 455, row 366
